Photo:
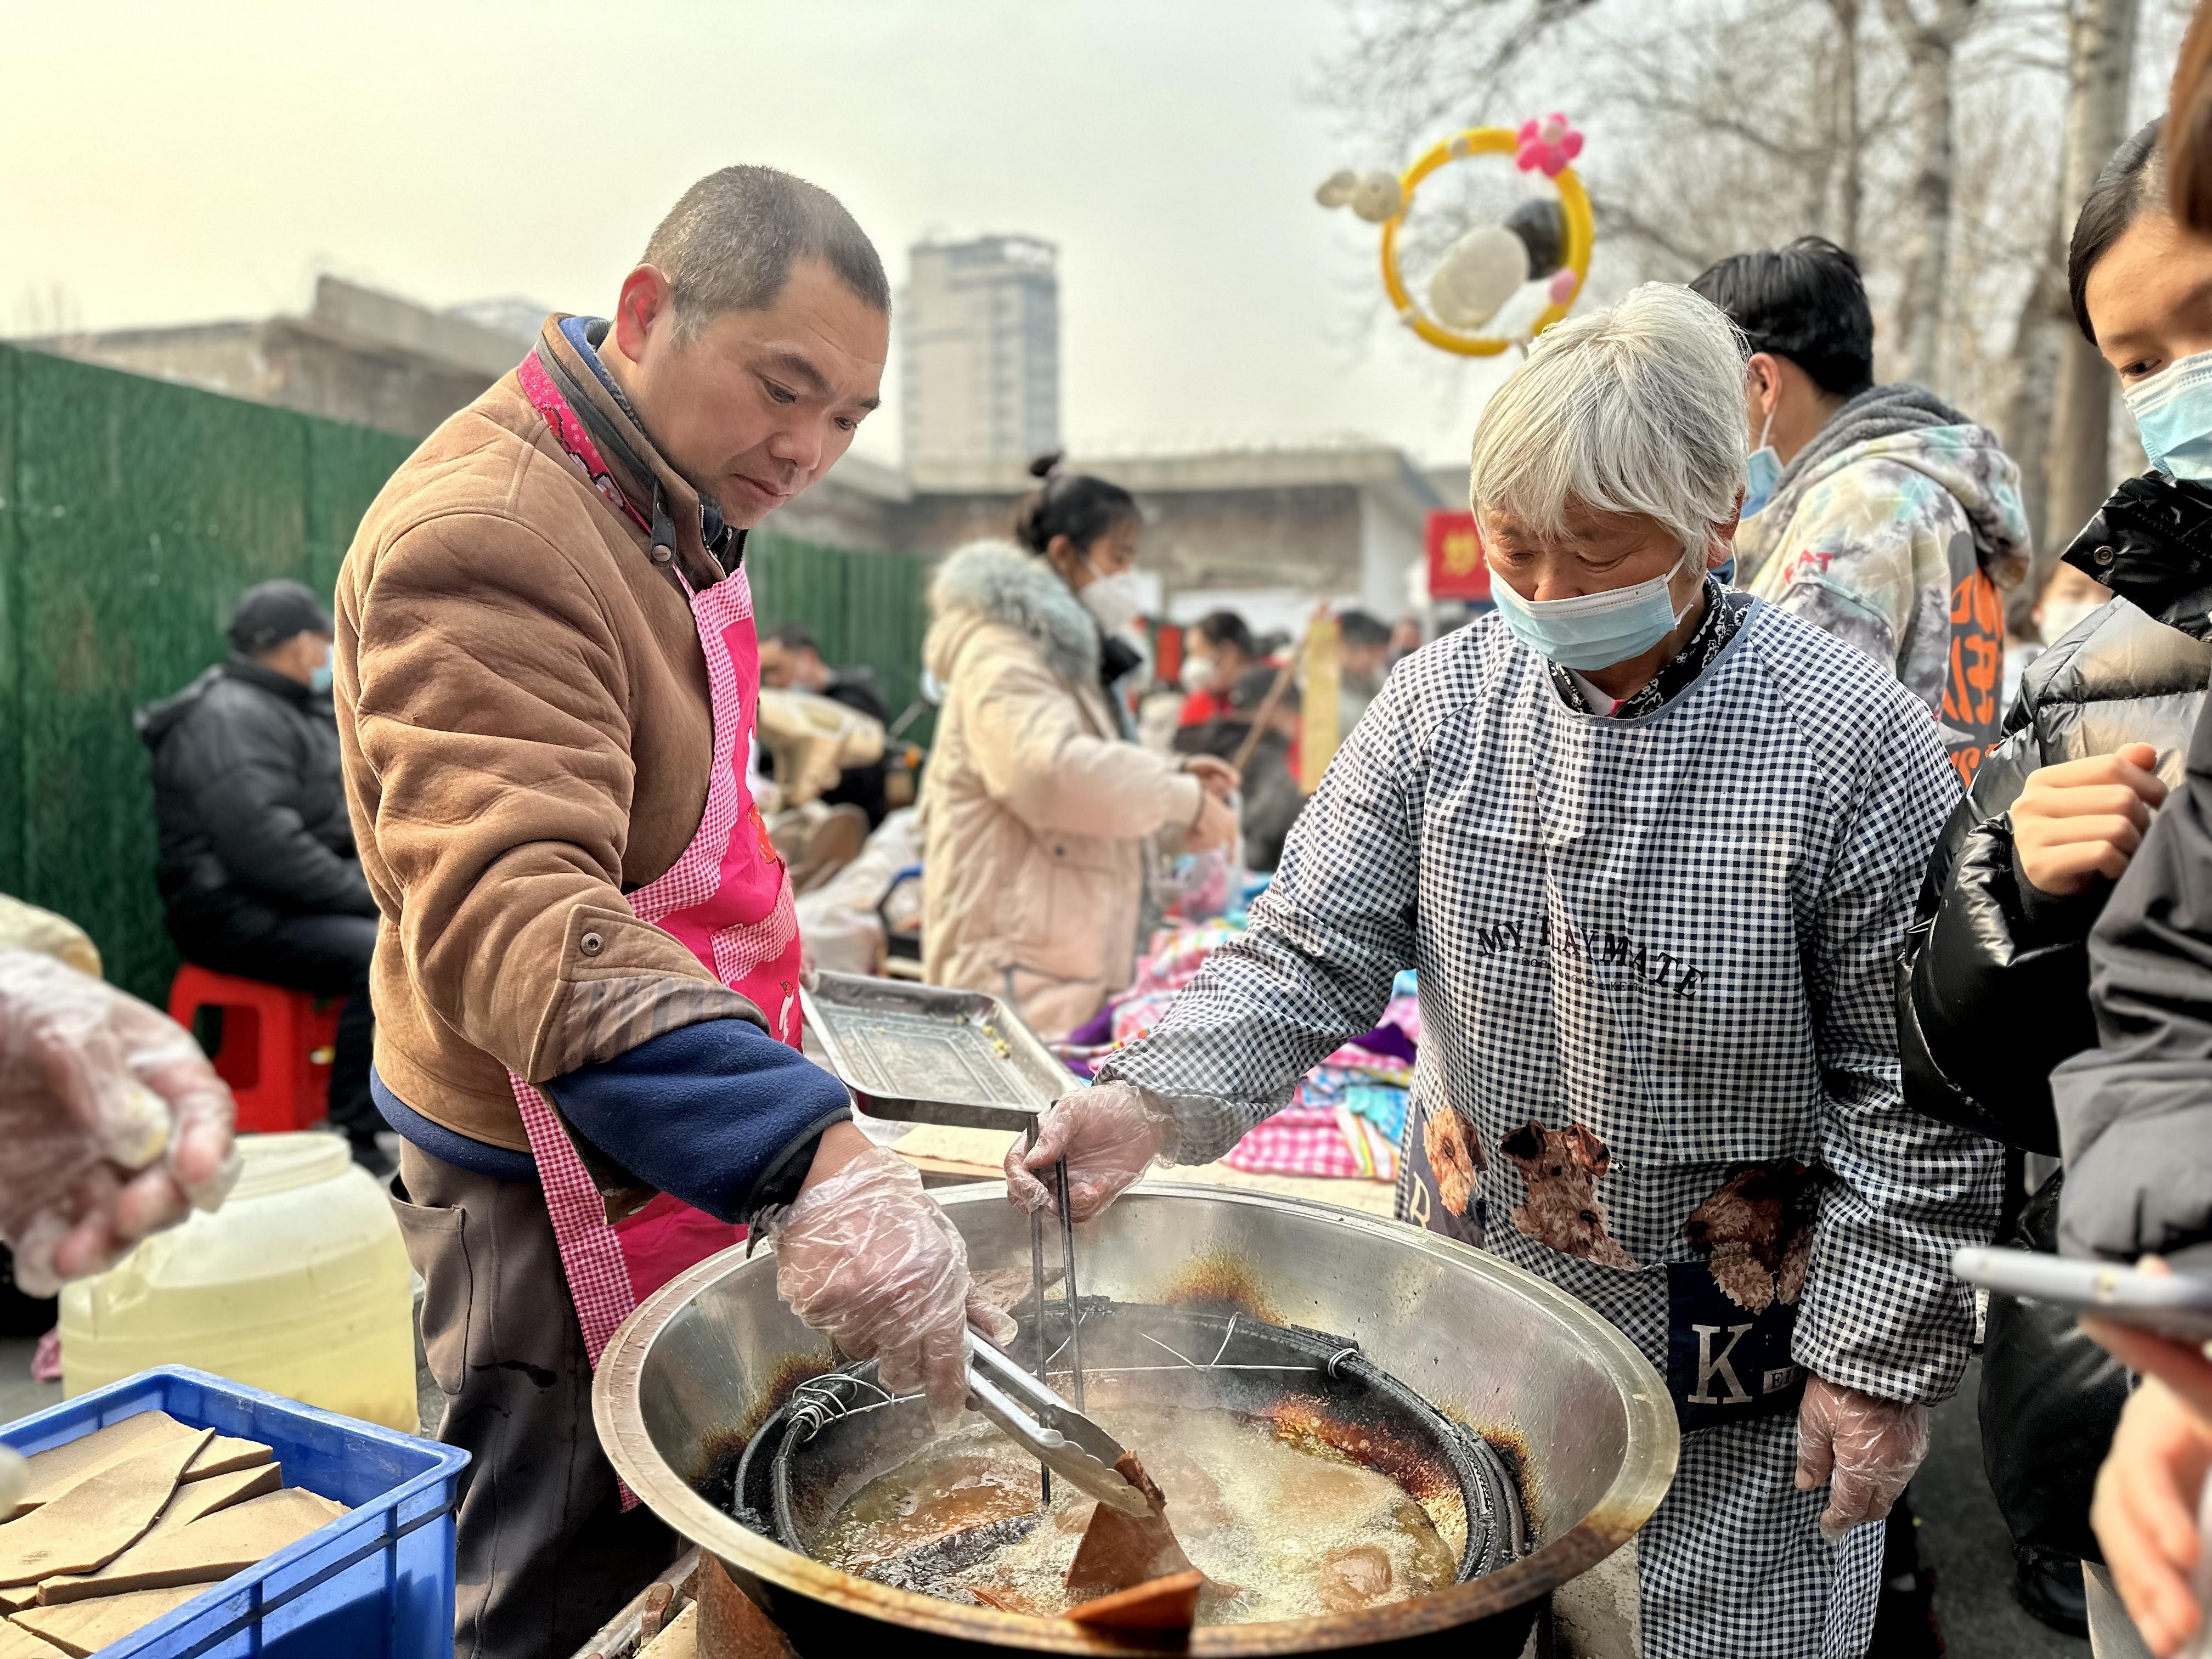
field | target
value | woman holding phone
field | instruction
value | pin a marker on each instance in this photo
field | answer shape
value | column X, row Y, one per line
column 2132, row 1113
column 2029, row 859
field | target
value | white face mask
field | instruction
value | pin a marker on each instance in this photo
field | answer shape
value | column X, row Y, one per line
column 1198, row 674
column 2055, row 620
column 1113, row 601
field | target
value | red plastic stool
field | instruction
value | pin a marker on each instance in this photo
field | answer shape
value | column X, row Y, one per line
column 276, row 1046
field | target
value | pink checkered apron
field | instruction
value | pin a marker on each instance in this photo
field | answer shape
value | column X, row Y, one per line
column 727, row 898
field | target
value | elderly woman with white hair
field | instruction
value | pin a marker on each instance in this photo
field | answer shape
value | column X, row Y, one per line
column 1652, row 845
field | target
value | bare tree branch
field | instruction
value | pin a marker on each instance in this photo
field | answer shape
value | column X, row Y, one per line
column 1618, row 218
column 1698, row 148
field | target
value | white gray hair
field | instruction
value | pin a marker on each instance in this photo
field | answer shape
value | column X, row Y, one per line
column 1638, row 410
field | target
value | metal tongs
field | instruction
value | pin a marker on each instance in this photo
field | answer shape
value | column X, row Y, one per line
column 1050, row 1429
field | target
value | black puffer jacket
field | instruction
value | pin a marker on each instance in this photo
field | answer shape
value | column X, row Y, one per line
column 1995, row 986
column 249, row 803
column 2136, row 1111
column 1995, row 990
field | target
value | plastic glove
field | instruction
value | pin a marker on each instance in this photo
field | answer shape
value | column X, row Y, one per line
column 1867, row 1446
column 865, row 1257
column 1108, row 1134
column 113, row 1123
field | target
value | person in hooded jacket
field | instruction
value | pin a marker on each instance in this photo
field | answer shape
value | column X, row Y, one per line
column 1879, row 512
column 2024, row 869
column 257, row 867
column 1038, row 808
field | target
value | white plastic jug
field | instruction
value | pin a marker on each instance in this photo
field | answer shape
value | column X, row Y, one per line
column 299, row 1285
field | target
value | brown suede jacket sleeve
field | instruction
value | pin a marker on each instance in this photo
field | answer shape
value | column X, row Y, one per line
column 492, row 708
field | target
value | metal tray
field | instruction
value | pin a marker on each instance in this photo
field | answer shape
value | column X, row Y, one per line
column 924, row 1053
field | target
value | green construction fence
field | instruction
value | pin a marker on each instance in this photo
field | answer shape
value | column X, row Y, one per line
column 133, row 513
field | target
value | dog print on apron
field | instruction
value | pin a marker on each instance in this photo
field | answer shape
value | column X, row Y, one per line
column 1730, row 1311
column 1439, row 1173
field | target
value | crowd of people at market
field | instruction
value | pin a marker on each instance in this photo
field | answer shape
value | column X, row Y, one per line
column 1726, row 927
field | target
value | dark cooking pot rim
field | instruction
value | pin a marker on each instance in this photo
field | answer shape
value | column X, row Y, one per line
column 1653, row 1440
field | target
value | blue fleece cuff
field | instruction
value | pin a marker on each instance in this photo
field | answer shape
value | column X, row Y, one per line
column 706, row 1113
column 450, row 1145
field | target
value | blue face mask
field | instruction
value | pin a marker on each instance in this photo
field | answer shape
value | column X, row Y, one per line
column 319, row 679
column 1593, row 630
column 2173, row 413
column 1761, row 473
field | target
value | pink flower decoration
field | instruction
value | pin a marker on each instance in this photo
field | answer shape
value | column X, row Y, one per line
column 1549, row 144
column 1562, row 288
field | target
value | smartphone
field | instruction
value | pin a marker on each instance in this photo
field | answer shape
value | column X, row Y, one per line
column 2178, row 1305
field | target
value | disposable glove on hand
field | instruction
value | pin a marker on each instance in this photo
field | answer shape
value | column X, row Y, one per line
column 867, row 1259
column 113, row 1123
column 1867, row 1448
column 1109, row 1135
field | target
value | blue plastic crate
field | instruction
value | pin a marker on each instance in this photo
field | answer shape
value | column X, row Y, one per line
column 377, row 1583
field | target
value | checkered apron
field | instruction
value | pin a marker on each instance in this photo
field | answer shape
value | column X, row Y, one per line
column 728, row 899
column 1654, row 953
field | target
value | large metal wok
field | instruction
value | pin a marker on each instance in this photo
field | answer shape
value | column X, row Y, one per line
column 700, row 1364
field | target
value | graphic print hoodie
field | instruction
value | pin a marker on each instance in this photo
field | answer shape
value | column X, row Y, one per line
column 1898, row 528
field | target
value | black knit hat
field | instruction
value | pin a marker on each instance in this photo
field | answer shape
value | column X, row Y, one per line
column 270, row 613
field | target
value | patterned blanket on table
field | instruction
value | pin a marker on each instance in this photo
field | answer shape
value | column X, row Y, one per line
column 1348, row 1114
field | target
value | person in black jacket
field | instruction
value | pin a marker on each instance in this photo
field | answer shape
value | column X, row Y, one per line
column 1995, row 988
column 256, row 867
column 1271, row 799
column 2026, row 862
column 790, row 660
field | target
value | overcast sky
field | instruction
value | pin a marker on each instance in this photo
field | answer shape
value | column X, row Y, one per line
column 173, row 163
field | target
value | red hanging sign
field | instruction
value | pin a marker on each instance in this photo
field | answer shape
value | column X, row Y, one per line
column 1457, row 569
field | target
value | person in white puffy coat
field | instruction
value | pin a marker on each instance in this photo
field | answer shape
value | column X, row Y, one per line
column 1037, row 809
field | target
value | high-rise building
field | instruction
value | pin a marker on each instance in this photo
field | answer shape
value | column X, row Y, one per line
column 981, row 323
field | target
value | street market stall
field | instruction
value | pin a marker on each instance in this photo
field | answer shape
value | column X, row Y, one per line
column 710, row 1357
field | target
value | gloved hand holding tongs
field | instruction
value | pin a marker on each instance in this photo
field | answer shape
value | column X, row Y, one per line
column 1109, row 1135
column 865, row 1257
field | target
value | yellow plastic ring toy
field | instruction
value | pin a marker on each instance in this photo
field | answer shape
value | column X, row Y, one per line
column 1581, row 233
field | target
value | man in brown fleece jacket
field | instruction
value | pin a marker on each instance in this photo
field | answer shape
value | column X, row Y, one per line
column 586, row 973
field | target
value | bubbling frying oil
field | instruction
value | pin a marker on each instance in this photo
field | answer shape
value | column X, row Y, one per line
column 1283, row 1529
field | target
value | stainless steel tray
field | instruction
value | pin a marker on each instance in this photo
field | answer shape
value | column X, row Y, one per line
column 924, row 1053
